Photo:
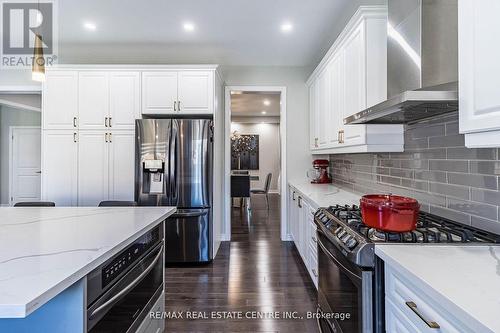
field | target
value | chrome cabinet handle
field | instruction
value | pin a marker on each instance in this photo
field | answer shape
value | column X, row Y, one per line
column 109, row 122
column 178, row 105
column 315, row 142
column 110, row 137
column 300, row 202
column 105, row 121
column 129, row 287
column 314, row 272
column 175, row 103
column 74, row 122
column 413, row 307
column 74, row 137
column 341, row 136
column 106, row 137
column 293, row 195
column 314, row 239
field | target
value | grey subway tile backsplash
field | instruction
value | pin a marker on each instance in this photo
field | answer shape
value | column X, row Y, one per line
column 436, row 168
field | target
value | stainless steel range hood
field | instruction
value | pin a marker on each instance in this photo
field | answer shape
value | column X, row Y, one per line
column 422, row 63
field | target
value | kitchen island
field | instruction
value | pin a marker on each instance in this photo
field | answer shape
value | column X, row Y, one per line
column 46, row 254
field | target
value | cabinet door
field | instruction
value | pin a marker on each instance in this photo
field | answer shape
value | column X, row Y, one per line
column 355, row 86
column 92, row 168
column 60, row 100
column 196, row 92
column 314, row 115
column 324, row 108
column 479, row 68
column 60, row 167
column 93, row 99
column 124, row 99
column 337, row 79
column 121, row 165
column 159, row 92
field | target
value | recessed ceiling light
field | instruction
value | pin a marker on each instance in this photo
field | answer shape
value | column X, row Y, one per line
column 263, row 112
column 90, row 26
column 286, row 27
column 188, row 26
column 267, row 102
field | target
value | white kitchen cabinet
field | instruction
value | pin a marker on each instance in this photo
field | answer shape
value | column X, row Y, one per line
column 92, row 167
column 409, row 308
column 178, row 92
column 121, row 165
column 479, row 72
column 60, row 167
column 159, row 92
column 351, row 78
column 196, row 92
column 93, row 100
column 301, row 222
column 124, row 99
column 60, row 100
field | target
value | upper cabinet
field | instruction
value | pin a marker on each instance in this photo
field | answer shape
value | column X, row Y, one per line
column 91, row 100
column 479, row 72
column 351, row 78
column 60, row 100
column 178, row 92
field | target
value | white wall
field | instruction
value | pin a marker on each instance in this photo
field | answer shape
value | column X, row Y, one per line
column 298, row 158
column 269, row 151
column 11, row 117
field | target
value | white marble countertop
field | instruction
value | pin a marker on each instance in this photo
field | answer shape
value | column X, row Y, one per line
column 463, row 279
column 45, row 250
column 324, row 195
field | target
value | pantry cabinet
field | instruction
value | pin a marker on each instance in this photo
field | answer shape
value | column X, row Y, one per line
column 60, row 100
column 351, row 78
column 60, row 167
column 178, row 92
column 303, row 230
column 479, row 72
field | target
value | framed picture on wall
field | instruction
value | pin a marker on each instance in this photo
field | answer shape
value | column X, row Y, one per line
column 245, row 152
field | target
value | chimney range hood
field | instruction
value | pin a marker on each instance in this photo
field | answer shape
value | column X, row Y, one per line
column 422, row 63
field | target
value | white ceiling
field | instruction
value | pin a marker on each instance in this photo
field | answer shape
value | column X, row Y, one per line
column 251, row 104
column 228, row 32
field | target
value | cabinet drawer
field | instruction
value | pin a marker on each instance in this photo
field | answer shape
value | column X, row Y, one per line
column 400, row 291
column 396, row 320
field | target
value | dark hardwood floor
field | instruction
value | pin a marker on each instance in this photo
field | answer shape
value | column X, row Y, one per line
column 255, row 273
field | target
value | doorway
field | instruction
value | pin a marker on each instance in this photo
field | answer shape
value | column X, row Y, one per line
column 25, row 164
column 255, row 150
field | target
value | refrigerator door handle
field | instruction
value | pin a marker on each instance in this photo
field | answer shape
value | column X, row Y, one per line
column 190, row 214
column 172, row 184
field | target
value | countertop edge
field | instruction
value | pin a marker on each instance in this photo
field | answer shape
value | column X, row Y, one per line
column 23, row 310
column 451, row 307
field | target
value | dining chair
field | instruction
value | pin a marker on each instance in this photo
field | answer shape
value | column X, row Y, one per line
column 265, row 190
column 116, row 203
column 35, row 204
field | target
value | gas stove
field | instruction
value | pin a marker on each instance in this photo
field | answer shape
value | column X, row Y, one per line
column 343, row 226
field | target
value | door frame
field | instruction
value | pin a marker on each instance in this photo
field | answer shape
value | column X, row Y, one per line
column 227, row 155
column 11, row 157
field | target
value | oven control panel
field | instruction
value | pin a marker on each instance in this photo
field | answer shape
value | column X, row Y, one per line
column 129, row 256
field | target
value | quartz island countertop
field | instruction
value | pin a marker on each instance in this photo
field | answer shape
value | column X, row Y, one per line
column 45, row 250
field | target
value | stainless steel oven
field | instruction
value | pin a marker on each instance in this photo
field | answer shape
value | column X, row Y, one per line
column 122, row 291
column 345, row 291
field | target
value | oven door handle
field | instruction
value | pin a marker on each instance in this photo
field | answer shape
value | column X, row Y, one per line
column 345, row 269
column 129, row 287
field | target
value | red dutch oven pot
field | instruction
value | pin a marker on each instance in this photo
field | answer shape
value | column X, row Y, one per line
column 389, row 212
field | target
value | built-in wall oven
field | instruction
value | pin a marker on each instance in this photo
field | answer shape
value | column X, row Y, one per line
column 122, row 291
column 345, row 292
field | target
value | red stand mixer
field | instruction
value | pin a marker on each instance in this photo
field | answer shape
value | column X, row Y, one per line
column 319, row 175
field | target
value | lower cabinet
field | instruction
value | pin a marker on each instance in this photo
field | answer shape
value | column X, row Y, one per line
column 303, row 230
column 409, row 308
column 91, row 165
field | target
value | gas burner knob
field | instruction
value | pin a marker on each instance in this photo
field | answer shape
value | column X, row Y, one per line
column 346, row 238
column 325, row 219
column 351, row 244
column 338, row 230
column 341, row 233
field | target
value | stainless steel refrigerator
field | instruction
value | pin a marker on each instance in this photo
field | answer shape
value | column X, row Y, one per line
column 174, row 159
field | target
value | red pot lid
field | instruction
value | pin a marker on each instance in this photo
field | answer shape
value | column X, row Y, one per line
column 389, row 200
